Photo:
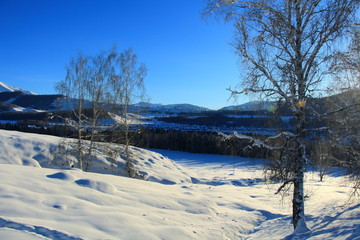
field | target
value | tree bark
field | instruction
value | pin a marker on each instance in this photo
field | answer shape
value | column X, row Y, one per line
column 300, row 163
column 79, row 128
column 298, row 195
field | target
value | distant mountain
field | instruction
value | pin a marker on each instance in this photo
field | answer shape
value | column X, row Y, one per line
column 184, row 107
column 170, row 108
column 147, row 105
column 17, row 105
column 16, row 99
column 9, row 97
column 40, row 102
column 20, row 100
column 7, row 88
column 249, row 106
column 29, row 100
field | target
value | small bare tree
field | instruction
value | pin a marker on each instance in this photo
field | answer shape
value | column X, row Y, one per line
column 128, row 86
column 346, row 64
column 73, row 89
column 346, row 83
column 286, row 45
column 101, row 72
column 322, row 157
column 108, row 81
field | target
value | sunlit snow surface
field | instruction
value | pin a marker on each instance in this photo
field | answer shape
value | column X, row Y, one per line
column 205, row 197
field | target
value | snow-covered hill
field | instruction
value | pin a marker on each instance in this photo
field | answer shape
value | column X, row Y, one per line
column 250, row 106
column 53, row 102
column 56, row 102
column 156, row 110
column 7, row 88
column 70, row 204
column 225, row 199
column 43, row 151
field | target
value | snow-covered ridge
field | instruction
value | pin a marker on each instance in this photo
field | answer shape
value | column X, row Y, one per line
column 250, row 106
column 7, row 88
column 43, row 151
column 144, row 108
column 174, row 108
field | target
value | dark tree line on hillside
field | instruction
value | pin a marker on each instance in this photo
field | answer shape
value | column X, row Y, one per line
column 34, row 126
column 324, row 153
column 251, row 121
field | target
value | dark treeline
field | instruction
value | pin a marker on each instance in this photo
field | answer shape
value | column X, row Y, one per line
column 194, row 141
column 199, row 142
column 34, row 126
column 187, row 141
column 221, row 120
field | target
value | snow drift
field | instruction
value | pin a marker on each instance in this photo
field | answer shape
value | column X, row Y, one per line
column 43, row 151
column 227, row 198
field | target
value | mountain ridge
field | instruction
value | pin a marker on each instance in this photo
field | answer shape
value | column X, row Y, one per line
column 7, row 88
column 12, row 94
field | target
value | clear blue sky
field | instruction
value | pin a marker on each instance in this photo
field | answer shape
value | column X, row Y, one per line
column 189, row 60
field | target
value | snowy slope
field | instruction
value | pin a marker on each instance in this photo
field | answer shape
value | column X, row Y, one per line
column 70, row 204
column 226, row 199
column 42, row 151
column 164, row 110
column 250, row 106
column 7, row 88
column 247, row 202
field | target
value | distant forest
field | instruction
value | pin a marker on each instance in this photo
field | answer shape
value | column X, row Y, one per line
column 188, row 141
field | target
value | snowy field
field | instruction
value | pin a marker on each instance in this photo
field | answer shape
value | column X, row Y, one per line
column 186, row 196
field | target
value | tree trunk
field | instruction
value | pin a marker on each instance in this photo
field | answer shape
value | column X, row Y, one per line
column 300, row 162
column 298, row 195
column 129, row 164
column 80, row 144
column 93, row 129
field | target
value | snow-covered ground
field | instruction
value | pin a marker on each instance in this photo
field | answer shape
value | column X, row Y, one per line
column 192, row 196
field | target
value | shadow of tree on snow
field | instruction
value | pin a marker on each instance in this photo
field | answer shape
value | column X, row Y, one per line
column 42, row 231
column 331, row 227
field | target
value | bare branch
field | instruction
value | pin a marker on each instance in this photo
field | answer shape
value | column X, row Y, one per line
column 290, row 181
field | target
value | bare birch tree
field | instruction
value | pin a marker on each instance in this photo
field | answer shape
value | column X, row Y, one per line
column 286, row 45
column 73, row 89
column 346, row 64
column 128, row 86
column 96, row 87
column 108, row 81
column 346, row 82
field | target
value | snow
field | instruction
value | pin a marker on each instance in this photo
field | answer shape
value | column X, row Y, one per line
column 7, row 88
column 22, row 109
column 11, row 100
column 174, row 108
column 204, row 197
column 253, row 105
column 131, row 119
column 43, row 151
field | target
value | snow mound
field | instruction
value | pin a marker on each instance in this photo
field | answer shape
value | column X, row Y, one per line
column 96, row 185
column 62, row 176
column 158, row 168
column 47, row 151
column 134, row 209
